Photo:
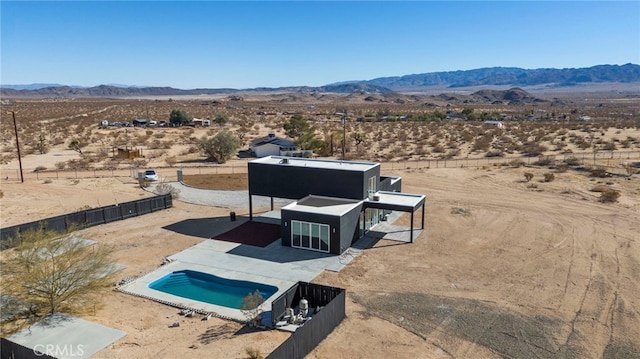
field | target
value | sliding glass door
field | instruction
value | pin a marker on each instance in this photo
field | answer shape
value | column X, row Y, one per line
column 309, row 235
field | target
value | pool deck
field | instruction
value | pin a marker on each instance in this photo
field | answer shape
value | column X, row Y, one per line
column 273, row 265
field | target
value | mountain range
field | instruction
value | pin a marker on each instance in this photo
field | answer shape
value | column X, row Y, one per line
column 493, row 76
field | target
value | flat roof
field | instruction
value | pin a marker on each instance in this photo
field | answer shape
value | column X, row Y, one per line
column 317, row 163
column 323, row 205
column 396, row 200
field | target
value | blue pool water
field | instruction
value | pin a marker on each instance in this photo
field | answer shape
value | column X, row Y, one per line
column 208, row 288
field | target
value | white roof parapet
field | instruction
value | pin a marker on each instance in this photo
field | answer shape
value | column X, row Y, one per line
column 318, row 163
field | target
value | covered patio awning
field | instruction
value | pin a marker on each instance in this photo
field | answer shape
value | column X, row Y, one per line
column 398, row 201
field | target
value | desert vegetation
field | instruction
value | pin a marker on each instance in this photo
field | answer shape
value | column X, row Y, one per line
column 372, row 131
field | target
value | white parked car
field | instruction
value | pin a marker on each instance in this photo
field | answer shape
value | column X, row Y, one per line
column 150, row 175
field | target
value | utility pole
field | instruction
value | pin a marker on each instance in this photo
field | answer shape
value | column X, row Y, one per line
column 344, row 130
column 15, row 128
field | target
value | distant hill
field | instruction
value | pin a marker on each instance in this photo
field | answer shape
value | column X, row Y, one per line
column 493, row 76
column 511, row 76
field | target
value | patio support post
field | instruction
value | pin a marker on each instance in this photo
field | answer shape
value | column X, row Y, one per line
column 250, row 207
column 423, row 205
column 411, row 234
column 272, row 203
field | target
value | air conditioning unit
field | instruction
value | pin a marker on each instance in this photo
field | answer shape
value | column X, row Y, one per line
column 376, row 198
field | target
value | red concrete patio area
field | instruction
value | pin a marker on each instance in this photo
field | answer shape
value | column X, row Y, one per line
column 252, row 233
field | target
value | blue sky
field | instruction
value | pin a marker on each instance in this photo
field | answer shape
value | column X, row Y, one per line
column 244, row 44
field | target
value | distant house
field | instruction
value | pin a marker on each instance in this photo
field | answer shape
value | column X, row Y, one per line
column 493, row 123
column 139, row 122
column 271, row 145
column 199, row 122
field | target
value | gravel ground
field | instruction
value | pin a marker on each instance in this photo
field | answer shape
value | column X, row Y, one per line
column 234, row 200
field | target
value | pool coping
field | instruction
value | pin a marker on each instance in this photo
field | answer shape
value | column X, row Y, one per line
column 139, row 287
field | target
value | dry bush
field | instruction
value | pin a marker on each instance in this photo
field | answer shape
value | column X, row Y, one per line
column 40, row 168
column 494, row 153
column 609, row 195
column 545, row 161
column 572, row 161
column 549, row 177
column 533, row 149
column 528, row 176
column 599, row 172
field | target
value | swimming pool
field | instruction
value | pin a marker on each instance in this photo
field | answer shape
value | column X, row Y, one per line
column 209, row 288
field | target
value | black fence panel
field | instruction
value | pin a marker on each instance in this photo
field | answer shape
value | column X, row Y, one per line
column 284, row 301
column 157, row 203
column 87, row 218
column 111, row 214
column 58, row 224
column 168, row 201
column 11, row 350
column 315, row 330
column 94, row 216
column 77, row 220
column 143, row 207
column 128, row 210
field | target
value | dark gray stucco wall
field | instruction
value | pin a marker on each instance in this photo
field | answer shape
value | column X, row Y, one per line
column 295, row 182
column 333, row 221
column 349, row 225
column 341, row 229
column 385, row 184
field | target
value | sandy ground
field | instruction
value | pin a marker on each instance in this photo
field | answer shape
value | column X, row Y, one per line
column 524, row 272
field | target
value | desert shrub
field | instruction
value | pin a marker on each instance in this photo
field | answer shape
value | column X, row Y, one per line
column 599, row 172
column 139, row 162
column 170, row 161
column 110, row 166
column 165, row 188
column 528, row 176
column 1, row 194
column 253, row 353
column 516, row 163
column 572, row 161
column 144, row 183
column 47, row 181
column 40, row 168
column 609, row 146
column 549, row 177
column 60, row 165
column 533, row 149
column 562, row 167
column 544, row 160
column 494, row 153
column 609, row 195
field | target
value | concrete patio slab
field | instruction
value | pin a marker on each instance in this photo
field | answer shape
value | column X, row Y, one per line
column 63, row 336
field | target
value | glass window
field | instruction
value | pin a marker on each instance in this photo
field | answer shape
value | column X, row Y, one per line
column 305, row 235
column 296, row 233
column 324, row 238
column 315, row 236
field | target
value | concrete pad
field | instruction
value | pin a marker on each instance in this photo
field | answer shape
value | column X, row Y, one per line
column 63, row 336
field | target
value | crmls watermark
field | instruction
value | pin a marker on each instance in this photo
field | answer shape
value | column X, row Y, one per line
column 56, row 350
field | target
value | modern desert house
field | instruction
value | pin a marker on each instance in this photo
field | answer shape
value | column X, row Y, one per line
column 336, row 202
